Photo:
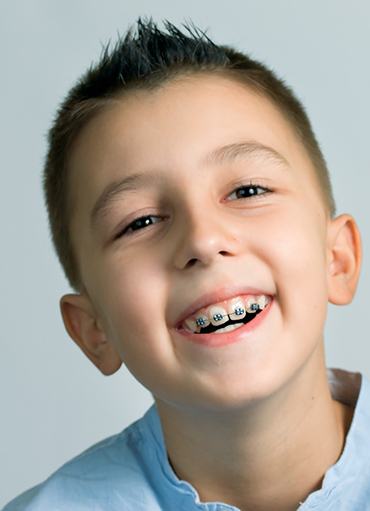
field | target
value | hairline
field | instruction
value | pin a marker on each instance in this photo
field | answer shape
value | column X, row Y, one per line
column 95, row 106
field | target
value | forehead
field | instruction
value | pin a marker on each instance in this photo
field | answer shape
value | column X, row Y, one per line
column 171, row 129
column 193, row 110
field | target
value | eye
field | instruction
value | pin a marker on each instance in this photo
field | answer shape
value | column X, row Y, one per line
column 248, row 191
column 137, row 225
column 251, row 190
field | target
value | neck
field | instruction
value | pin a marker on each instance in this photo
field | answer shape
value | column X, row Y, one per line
column 269, row 455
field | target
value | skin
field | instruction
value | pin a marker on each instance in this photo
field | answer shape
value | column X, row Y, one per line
column 253, row 423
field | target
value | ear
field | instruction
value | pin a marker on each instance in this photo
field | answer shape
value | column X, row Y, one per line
column 83, row 326
column 344, row 259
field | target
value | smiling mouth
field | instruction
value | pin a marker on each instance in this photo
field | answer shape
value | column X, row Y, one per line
column 237, row 323
column 226, row 315
column 229, row 332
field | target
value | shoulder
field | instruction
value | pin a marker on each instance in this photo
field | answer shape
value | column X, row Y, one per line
column 108, row 475
column 347, row 483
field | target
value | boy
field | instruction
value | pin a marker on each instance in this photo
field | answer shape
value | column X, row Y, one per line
column 192, row 212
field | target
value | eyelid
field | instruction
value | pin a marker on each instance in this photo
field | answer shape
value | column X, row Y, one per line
column 252, row 183
column 121, row 231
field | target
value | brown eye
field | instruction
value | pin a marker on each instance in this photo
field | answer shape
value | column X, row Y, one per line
column 137, row 225
column 250, row 190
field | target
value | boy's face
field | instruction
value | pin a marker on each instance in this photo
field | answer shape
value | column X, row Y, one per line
column 202, row 235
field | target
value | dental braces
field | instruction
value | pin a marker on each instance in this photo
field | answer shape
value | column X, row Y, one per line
column 218, row 317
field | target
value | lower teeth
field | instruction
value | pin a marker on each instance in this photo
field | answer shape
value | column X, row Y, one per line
column 229, row 328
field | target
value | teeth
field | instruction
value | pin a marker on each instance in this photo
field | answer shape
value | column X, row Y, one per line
column 263, row 301
column 191, row 325
column 236, row 309
column 218, row 315
column 194, row 325
column 229, row 328
column 202, row 320
column 251, row 304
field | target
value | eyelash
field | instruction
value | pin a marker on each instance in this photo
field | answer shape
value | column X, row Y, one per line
column 248, row 186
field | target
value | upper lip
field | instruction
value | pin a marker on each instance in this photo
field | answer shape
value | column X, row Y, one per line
column 217, row 295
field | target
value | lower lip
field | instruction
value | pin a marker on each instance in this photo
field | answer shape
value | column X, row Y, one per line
column 213, row 340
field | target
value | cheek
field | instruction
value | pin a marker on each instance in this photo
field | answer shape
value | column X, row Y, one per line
column 298, row 256
column 133, row 297
column 296, row 241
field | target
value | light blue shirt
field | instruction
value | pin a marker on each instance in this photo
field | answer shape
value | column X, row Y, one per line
column 130, row 471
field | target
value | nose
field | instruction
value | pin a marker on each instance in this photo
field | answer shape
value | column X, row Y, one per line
column 203, row 238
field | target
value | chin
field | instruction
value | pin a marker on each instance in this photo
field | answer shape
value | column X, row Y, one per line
column 244, row 391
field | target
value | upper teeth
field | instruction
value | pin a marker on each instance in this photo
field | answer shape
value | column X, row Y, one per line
column 236, row 308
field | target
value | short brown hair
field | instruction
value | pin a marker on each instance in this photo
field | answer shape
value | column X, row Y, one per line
column 145, row 60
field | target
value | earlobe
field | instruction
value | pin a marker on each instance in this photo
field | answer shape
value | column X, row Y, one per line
column 344, row 259
column 84, row 327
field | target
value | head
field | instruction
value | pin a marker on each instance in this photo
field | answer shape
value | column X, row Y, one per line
column 190, row 126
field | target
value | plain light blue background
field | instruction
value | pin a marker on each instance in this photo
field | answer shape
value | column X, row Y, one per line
column 54, row 402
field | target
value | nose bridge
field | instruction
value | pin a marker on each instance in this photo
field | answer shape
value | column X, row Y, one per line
column 203, row 233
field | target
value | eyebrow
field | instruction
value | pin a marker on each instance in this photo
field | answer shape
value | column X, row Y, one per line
column 220, row 155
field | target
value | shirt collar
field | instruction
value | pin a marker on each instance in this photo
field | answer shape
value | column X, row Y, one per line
column 350, row 388
column 353, row 389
